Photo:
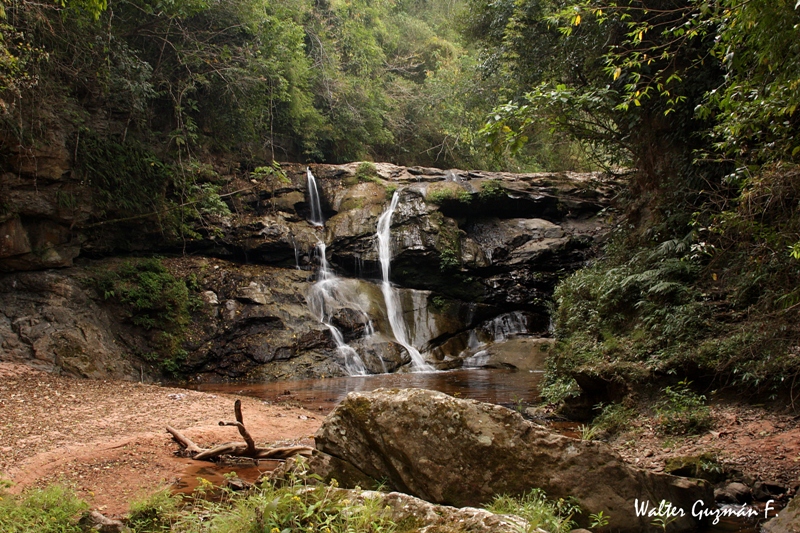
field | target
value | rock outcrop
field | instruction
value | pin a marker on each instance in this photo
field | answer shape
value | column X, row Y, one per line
column 462, row 452
column 787, row 521
column 50, row 321
column 475, row 258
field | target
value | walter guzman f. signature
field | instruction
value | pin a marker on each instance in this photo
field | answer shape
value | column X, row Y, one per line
column 667, row 511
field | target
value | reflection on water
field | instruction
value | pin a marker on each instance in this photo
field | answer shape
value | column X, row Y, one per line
column 498, row 386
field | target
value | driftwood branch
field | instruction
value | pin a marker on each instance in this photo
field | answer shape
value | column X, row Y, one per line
column 236, row 449
column 183, row 440
column 237, row 410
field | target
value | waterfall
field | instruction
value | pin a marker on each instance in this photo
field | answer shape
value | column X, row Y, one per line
column 393, row 311
column 324, row 290
column 507, row 325
column 296, row 252
column 313, row 197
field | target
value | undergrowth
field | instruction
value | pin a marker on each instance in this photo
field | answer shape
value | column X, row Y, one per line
column 155, row 300
column 540, row 513
column 54, row 509
column 290, row 506
column 441, row 192
column 682, row 411
column 708, row 292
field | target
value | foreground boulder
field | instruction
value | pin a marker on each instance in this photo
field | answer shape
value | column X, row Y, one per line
column 463, row 453
column 787, row 521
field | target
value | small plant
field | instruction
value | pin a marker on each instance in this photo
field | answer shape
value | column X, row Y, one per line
column 613, row 417
column 441, row 192
column 683, row 411
column 448, row 259
column 560, row 390
column 154, row 513
column 438, row 303
column 538, row 511
column 598, row 520
column 588, row 432
column 663, row 521
column 491, row 189
column 390, row 190
column 366, row 171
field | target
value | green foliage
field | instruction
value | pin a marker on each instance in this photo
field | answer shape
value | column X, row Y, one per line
column 366, row 171
column 54, row 509
column 614, row 417
column 559, row 389
column 491, row 189
column 156, row 301
column 438, row 193
column 295, row 506
column 449, row 259
column 390, row 190
column 704, row 466
column 126, row 178
column 588, row 432
column 154, row 513
column 682, row 411
column 598, row 520
column 552, row 516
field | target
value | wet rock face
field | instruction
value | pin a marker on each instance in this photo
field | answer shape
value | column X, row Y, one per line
column 463, row 452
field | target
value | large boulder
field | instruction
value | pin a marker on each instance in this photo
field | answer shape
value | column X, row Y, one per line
column 463, row 453
column 787, row 521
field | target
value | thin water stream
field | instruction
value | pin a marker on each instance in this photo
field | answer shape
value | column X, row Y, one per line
column 393, row 310
column 314, row 199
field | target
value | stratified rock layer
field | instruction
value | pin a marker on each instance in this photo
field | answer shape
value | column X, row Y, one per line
column 463, row 452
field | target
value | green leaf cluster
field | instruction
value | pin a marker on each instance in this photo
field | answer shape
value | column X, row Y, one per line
column 54, row 509
column 682, row 411
column 538, row 511
column 154, row 299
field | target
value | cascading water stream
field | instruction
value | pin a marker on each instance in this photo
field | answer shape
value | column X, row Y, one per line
column 313, row 196
column 393, row 311
column 325, row 289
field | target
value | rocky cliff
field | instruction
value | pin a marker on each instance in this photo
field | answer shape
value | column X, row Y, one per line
column 474, row 259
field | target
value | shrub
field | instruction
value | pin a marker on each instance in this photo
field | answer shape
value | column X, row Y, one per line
column 441, row 192
column 614, row 417
column 559, row 389
column 154, row 513
column 366, row 171
column 448, row 259
column 295, row 506
column 682, row 411
column 54, row 509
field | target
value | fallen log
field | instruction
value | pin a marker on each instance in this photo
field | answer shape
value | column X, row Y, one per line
column 247, row 448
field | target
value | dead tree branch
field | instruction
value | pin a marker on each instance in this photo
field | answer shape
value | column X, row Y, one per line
column 236, row 449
